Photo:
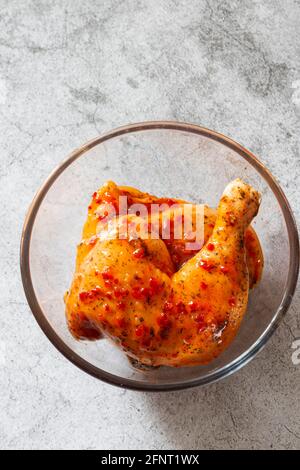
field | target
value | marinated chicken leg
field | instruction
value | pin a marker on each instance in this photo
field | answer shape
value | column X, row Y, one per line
column 160, row 307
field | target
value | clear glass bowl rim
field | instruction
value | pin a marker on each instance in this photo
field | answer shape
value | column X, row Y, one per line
column 130, row 383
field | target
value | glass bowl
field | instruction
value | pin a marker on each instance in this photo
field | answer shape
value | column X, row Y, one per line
column 167, row 159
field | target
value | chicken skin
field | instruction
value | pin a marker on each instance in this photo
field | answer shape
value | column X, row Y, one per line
column 161, row 303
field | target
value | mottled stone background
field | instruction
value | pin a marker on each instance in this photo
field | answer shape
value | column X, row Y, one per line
column 72, row 69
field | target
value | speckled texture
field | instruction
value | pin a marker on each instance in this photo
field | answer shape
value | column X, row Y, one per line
column 70, row 70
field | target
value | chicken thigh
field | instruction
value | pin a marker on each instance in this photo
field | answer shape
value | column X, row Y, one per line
column 161, row 304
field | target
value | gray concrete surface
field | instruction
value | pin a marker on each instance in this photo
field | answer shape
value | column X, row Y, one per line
column 72, row 69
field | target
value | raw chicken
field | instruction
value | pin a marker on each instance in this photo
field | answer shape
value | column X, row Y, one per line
column 162, row 304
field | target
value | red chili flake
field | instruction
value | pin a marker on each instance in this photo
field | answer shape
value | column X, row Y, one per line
column 169, row 201
column 96, row 290
column 108, row 295
column 163, row 320
column 203, row 285
column 90, row 295
column 224, row 269
column 102, row 216
column 193, row 306
column 106, row 307
column 139, row 253
column 108, row 282
column 121, row 292
column 206, row 265
column 154, row 283
column 83, row 295
column 168, row 307
column 140, row 293
column 95, row 194
column 210, row 246
column 89, row 207
column 211, row 225
column 141, row 330
column 121, row 305
column 144, row 291
column 107, row 275
column 155, row 286
column 232, row 301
